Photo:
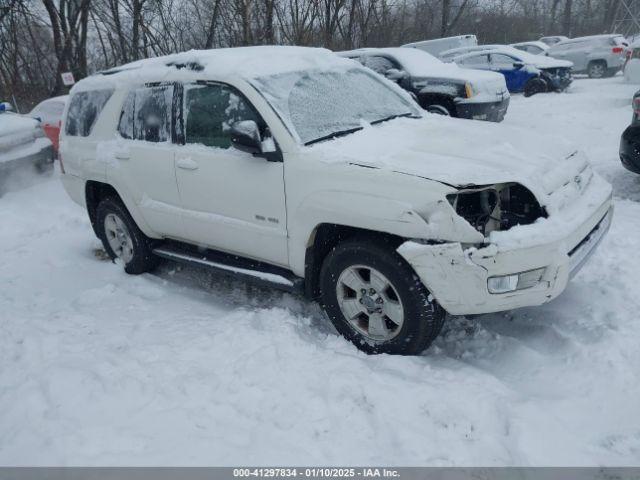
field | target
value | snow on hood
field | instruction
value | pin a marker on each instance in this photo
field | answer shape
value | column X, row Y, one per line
column 538, row 61
column 460, row 153
column 13, row 123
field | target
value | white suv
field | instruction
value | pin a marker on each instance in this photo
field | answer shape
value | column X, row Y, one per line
column 305, row 171
column 597, row 55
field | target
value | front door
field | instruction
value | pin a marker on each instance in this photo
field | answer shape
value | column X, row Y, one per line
column 515, row 75
column 231, row 200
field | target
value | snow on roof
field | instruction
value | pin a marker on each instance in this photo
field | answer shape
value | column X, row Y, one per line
column 588, row 37
column 13, row 122
column 535, row 43
column 539, row 61
column 245, row 62
column 416, row 62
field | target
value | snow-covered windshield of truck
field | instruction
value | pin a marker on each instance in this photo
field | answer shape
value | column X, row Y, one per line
column 320, row 104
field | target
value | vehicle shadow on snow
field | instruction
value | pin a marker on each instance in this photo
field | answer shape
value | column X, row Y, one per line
column 237, row 293
column 540, row 331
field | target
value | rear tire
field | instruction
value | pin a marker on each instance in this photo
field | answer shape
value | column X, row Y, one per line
column 122, row 239
column 597, row 69
column 388, row 309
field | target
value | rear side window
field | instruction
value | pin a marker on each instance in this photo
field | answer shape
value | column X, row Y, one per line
column 84, row 109
column 147, row 114
column 211, row 110
column 476, row 61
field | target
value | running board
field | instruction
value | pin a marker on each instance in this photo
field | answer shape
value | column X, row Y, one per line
column 257, row 273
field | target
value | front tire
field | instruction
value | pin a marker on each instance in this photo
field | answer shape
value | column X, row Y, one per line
column 535, row 85
column 122, row 239
column 376, row 301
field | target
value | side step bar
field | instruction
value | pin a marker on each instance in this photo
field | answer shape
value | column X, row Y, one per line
column 257, row 273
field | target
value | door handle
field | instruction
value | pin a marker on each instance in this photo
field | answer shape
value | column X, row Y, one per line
column 122, row 155
column 187, row 164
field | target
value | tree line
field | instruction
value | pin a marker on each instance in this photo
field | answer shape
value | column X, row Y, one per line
column 40, row 39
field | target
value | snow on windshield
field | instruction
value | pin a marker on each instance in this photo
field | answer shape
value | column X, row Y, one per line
column 316, row 104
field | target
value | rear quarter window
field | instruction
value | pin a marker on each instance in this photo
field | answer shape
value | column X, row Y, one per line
column 84, row 109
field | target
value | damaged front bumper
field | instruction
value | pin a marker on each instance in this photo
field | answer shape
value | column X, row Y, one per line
column 459, row 279
column 490, row 111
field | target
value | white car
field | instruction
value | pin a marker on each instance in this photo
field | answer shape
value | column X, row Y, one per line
column 305, row 171
column 534, row 48
column 23, row 145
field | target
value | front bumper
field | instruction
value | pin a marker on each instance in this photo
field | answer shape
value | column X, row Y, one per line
column 489, row 111
column 630, row 148
column 458, row 278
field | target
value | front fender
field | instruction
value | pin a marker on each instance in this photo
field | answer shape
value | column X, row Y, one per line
column 434, row 221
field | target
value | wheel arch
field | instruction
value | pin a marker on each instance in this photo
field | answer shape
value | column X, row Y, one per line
column 96, row 191
column 324, row 238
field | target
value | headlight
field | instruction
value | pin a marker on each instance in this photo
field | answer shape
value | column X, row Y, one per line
column 496, row 207
column 468, row 88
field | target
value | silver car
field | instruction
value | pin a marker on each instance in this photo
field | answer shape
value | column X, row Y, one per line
column 597, row 55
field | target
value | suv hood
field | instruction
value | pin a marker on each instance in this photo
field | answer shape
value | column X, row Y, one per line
column 462, row 153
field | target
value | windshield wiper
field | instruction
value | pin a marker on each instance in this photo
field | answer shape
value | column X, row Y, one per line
column 341, row 133
column 391, row 117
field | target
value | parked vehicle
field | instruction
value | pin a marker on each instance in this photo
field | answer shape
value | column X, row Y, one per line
column 23, row 145
column 437, row 45
column 552, row 40
column 49, row 112
column 308, row 172
column 523, row 72
column 597, row 55
column 630, row 141
column 440, row 88
column 534, row 48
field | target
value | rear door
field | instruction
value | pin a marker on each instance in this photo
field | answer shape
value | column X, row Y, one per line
column 232, row 200
column 145, row 159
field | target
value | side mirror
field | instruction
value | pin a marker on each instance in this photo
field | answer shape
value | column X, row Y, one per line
column 395, row 74
column 518, row 65
column 245, row 136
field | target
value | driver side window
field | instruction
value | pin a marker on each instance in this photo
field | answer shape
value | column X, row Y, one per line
column 210, row 111
column 380, row 65
column 504, row 62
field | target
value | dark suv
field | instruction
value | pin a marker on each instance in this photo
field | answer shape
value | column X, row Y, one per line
column 439, row 87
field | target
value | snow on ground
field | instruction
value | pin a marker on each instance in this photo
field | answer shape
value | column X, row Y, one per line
column 101, row 368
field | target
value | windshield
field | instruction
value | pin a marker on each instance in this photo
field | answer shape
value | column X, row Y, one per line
column 317, row 105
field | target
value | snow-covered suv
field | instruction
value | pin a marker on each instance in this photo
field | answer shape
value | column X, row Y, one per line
column 308, row 172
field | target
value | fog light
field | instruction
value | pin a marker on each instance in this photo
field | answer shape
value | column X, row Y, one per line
column 516, row 281
column 503, row 284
